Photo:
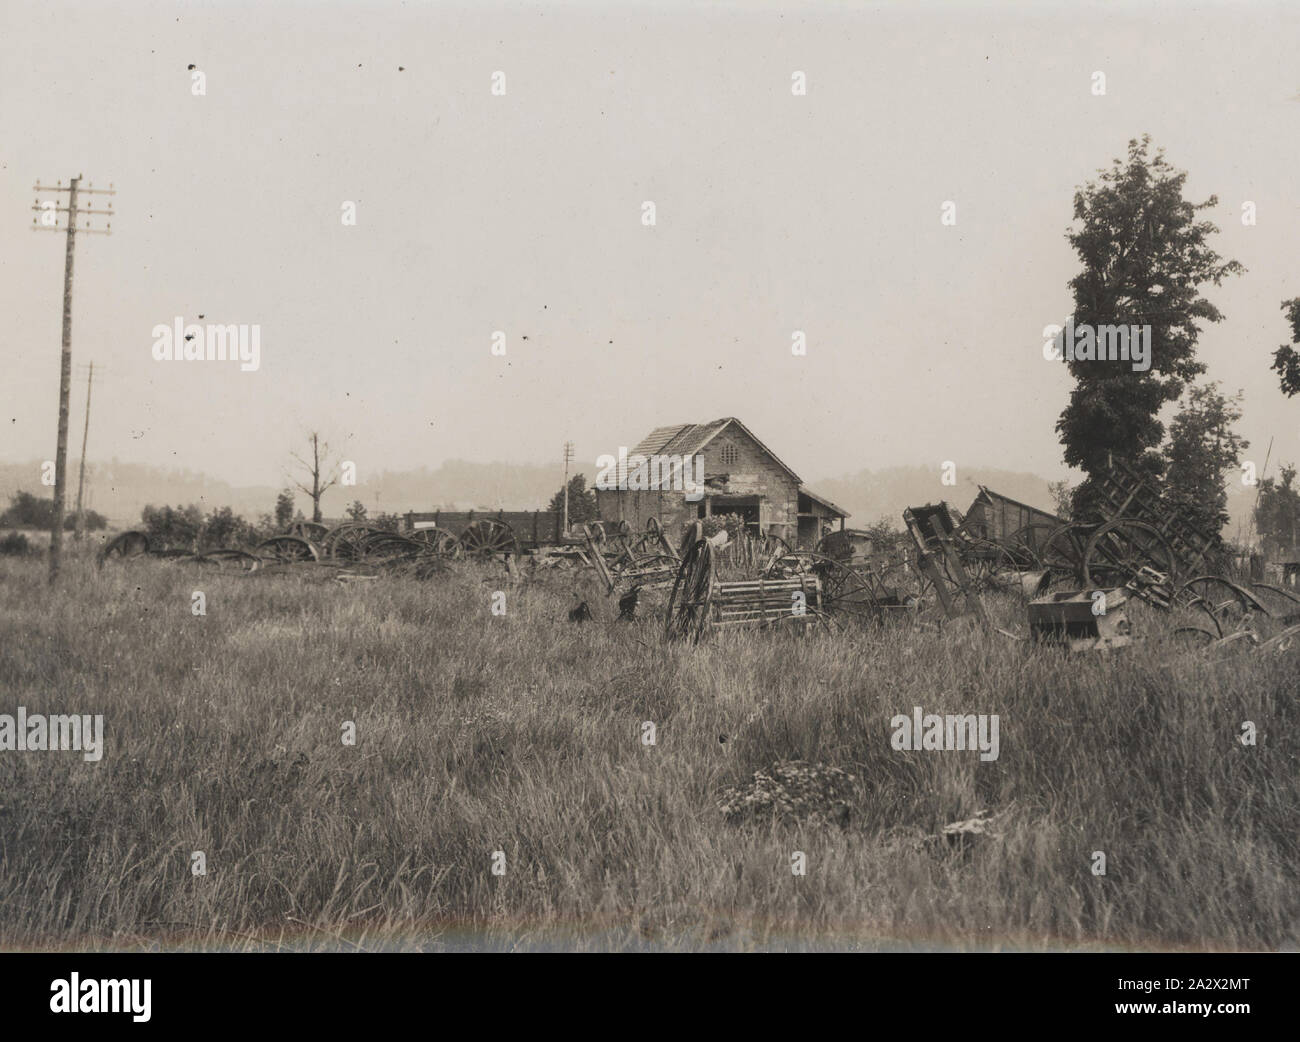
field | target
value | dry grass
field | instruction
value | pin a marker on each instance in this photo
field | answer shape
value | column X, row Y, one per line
column 523, row 734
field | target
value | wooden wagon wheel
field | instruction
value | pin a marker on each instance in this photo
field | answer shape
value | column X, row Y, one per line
column 596, row 530
column 487, row 537
column 1064, row 551
column 688, row 604
column 1134, row 555
column 288, row 548
column 439, row 541
column 983, row 561
column 1223, row 601
column 347, row 541
column 1027, row 545
column 389, row 545
column 312, row 530
column 843, row 589
column 127, row 544
column 346, row 535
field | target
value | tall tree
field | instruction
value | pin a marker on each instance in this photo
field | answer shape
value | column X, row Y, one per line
column 1286, row 359
column 283, row 509
column 319, row 469
column 582, row 501
column 1277, row 512
column 1201, row 452
column 1145, row 258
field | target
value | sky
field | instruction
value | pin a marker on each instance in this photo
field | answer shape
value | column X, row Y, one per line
column 522, row 213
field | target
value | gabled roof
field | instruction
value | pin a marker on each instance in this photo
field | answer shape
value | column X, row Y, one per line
column 988, row 493
column 686, row 439
column 838, row 511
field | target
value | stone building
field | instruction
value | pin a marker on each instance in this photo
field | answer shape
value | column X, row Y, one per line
column 741, row 476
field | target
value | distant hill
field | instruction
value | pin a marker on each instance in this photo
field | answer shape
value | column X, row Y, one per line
column 120, row 491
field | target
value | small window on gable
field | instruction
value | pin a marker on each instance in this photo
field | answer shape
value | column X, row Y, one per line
column 729, row 455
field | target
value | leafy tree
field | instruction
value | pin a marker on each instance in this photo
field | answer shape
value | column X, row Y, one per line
column 26, row 509
column 29, row 510
column 283, row 510
column 177, row 527
column 94, row 521
column 1145, row 258
column 1286, row 359
column 582, row 501
column 357, row 511
column 1277, row 512
column 225, row 528
column 1201, row 451
column 1062, row 498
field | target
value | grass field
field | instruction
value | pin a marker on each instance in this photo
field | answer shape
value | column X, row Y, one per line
column 523, row 733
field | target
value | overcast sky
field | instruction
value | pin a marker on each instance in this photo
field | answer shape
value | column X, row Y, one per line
column 523, row 213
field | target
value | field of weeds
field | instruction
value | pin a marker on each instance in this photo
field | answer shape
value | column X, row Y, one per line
column 525, row 734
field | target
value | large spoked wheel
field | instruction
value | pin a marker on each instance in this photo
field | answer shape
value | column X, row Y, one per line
column 1064, row 551
column 1227, row 604
column 389, row 546
column 488, row 537
column 438, row 541
column 985, row 563
column 688, row 605
column 1133, row 555
column 1027, row 544
column 346, row 541
column 312, row 530
column 845, row 591
column 288, row 548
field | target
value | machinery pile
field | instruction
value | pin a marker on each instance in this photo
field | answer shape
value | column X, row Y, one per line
column 1070, row 584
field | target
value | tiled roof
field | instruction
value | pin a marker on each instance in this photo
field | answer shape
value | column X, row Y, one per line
column 680, row 440
column 686, row 439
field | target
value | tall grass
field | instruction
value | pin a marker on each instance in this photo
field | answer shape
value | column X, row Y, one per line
column 522, row 734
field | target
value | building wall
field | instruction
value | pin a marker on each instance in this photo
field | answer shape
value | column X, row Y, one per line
column 754, row 473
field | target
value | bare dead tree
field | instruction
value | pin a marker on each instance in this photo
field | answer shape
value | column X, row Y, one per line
column 323, row 473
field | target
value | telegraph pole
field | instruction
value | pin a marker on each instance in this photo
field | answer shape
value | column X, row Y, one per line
column 568, row 458
column 81, row 477
column 48, row 221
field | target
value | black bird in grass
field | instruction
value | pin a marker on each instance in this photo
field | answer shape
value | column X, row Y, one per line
column 627, row 603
